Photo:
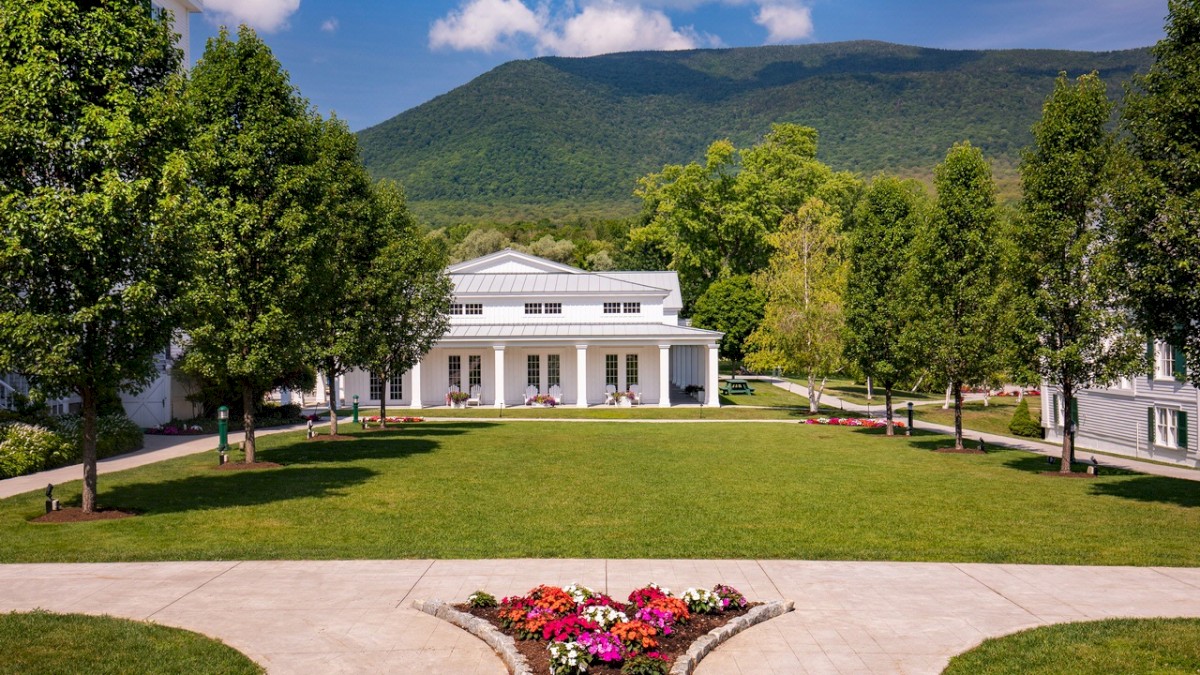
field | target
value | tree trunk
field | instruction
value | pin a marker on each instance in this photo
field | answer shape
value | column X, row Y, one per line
column 958, row 442
column 870, row 390
column 813, row 405
column 917, row 385
column 887, row 402
column 949, row 388
column 1020, row 394
column 382, row 400
column 331, row 390
column 248, row 422
column 1068, row 444
column 89, row 449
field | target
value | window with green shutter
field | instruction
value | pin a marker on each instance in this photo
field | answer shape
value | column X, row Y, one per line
column 1075, row 412
column 1179, row 364
column 1181, row 429
column 1054, row 410
column 1151, row 422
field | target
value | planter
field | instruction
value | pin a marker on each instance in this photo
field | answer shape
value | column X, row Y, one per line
column 625, row 403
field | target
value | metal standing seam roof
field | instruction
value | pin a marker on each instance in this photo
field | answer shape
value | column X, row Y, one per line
column 575, row 330
column 541, row 283
column 668, row 281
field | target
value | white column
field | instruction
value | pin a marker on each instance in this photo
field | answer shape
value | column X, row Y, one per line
column 664, row 376
column 499, row 354
column 581, row 376
column 414, row 398
column 713, row 386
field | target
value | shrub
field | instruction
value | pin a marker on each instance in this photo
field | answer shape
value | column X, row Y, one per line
column 28, row 448
column 1022, row 423
column 482, row 600
column 115, row 435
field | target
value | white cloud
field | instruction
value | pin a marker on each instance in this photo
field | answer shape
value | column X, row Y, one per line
column 576, row 29
column 607, row 28
column 785, row 23
column 264, row 15
column 484, row 25
column 330, row 25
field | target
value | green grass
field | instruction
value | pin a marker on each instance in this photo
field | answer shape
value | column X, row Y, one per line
column 483, row 488
column 852, row 392
column 991, row 419
column 744, row 408
column 1114, row 646
column 38, row 643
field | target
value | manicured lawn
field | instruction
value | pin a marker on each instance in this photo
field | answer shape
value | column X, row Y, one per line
column 767, row 394
column 991, row 419
column 747, row 408
column 39, row 643
column 1114, row 646
column 484, row 488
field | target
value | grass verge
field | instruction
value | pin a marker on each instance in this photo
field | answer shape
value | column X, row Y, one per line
column 1162, row 646
column 484, row 488
column 36, row 643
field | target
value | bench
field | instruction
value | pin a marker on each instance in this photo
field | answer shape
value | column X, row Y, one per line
column 731, row 387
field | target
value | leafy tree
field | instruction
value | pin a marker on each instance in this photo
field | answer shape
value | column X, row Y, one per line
column 349, row 214
column 801, row 330
column 93, row 252
column 716, row 218
column 733, row 306
column 953, row 278
column 1082, row 337
column 1157, row 202
column 879, row 313
column 1022, row 423
column 254, row 166
column 478, row 243
column 558, row 250
column 408, row 293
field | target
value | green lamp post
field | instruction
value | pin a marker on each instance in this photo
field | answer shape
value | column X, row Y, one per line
column 356, row 408
column 223, row 430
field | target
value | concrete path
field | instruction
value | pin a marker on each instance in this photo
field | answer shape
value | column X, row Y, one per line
column 972, row 437
column 356, row 616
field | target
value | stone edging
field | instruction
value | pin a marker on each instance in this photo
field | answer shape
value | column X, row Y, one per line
column 506, row 648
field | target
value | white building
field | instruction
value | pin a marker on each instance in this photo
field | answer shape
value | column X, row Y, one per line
column 519, row 323
column 1148, row 417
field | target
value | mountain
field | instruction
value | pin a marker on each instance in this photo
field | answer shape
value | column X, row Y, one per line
column 561, row 137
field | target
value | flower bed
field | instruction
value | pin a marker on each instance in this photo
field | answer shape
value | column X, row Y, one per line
column 374, row 419
column 564, row 631
column 854, row 422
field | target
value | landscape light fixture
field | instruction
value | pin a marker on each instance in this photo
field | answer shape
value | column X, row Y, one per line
column 223, row 430
column 356, row 408
column 908, row 429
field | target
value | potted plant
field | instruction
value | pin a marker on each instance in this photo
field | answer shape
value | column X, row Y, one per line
column 457, row 399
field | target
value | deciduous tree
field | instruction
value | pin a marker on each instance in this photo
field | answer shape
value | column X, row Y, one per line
column 953, row 280
column 879, row 313
column 93, row 253
column 253, row 163
column 1157, row 201
column 1082, row 337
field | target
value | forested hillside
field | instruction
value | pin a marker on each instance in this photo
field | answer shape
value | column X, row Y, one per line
column 563, row 137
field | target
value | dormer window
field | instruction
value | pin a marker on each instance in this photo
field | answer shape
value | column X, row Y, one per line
column 612, row 308
column 473, row 309
column 554, row 308
column 633, row 308
column 533, row 308
column 456, row 309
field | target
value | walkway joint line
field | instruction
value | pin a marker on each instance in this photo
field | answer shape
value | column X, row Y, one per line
column 998, row 593
column 236, row 564
column 416, row 583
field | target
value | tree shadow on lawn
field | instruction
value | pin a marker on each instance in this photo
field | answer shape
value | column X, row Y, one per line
column 1160, row 489
column 224, row 489
column 369, row 445
column 1031, row 463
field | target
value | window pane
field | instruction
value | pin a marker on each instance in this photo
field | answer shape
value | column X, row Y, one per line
column 631, row 369
column 456, row 308
column 396, row 387
column 554, row 308
column 553, row 370
column 612, row 308
column 474, row 309
column 633, row 308
column 455, row 366
column 474, row 371
column 376, row 393
column 533, row 308
column 533, row 370
column 610, row 369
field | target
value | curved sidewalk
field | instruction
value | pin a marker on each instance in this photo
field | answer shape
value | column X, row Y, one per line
column 357, row 616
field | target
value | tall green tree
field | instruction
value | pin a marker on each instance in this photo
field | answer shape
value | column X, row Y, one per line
column 253, row 164
column 879, row 313
column 349, row 214
column 733, row 306
column 716, row 217
column 92, row 253
column 407, row 291
column 953, row 280
column 1082, row 337
column 1157, row 202
column 804, row 283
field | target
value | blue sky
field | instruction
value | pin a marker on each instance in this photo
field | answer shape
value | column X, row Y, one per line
column 368, row 60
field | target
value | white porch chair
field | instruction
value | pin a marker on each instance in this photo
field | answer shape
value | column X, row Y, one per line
column 636, row 390
column 610, row 394
column 476, row 395
column 531, row 393
column 556, row 394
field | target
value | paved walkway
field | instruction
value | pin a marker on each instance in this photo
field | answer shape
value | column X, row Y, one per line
column 357, row 616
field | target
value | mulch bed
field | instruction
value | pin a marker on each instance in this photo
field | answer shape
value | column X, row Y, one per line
column 963, row 451
column 75, row 514
column 332, row 437
column 671, row 646
column 242, row 466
